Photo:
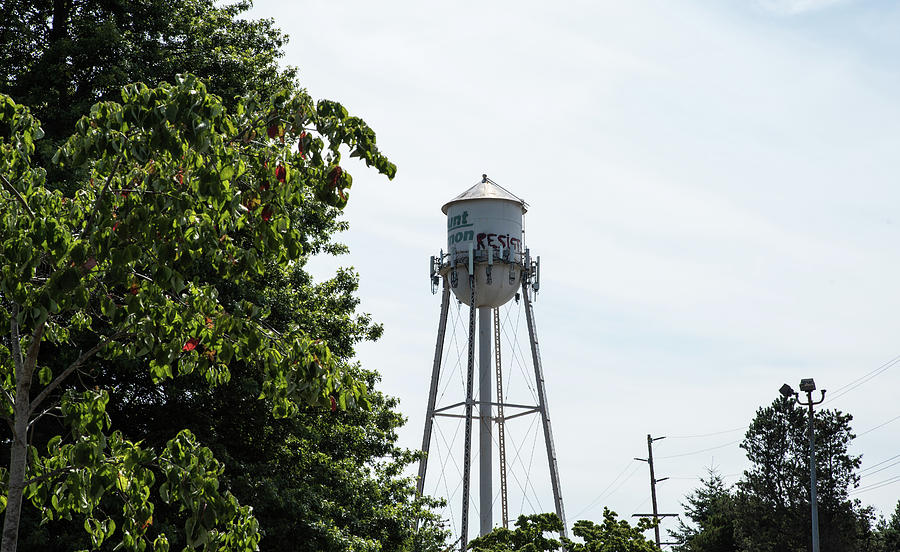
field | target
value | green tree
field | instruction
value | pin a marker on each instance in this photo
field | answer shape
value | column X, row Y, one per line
column 886, row 537
column 710, row 509
column 173, row 182
column 62, row 56
column 769, row 509
column 612, row 535
column 322, row 480
column 772, row 497
column 530, row 535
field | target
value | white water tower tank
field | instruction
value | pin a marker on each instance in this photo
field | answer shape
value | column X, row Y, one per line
column 484, row 227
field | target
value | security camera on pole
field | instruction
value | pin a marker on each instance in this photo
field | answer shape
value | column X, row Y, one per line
column 486, row 265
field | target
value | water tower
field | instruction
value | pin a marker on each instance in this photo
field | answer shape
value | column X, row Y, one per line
column 485, row 266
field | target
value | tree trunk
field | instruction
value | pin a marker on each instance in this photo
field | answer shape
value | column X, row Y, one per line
column 16, row 474
column 24, row 368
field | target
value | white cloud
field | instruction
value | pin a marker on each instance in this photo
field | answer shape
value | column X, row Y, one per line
column 792, row 7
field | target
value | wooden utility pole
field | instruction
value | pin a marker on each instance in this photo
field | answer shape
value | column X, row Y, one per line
column 653, row 481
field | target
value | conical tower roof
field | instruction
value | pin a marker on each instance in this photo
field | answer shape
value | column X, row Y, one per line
column 486, row 189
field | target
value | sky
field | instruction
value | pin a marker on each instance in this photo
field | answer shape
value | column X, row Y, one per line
column 713, row 193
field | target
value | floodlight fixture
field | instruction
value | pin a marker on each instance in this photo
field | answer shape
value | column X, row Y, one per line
column 808, row 385
column 787, row 391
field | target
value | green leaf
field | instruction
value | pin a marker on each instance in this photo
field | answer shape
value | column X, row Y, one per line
column 45, row 374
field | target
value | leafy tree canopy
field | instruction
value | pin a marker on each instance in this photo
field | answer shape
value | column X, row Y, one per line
column 60, row 57
column 173, row 181
column 319, row 480
column 530, row 535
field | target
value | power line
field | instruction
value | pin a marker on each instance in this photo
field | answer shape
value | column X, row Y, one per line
column 878, row 426
column 707, row 434
column 699, row 477
column 603, row 493
column 841, row 391
column 879, row 463
column 880, row 469
column 699, row 451
column 878, row 485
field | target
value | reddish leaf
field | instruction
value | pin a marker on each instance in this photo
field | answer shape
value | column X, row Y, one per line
column 335, row 175
column 191, row 344
column 267, row 213
column 333, row 403
column 280, row 173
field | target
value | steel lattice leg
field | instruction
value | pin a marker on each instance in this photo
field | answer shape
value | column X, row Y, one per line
column 501, row 422
column 467, row 458
column 542, row 405
column 432, row 393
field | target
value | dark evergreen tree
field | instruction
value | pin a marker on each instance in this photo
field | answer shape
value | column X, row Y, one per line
column 711, row 511
column 886, row 536
column 769, row 507
column 772, row 498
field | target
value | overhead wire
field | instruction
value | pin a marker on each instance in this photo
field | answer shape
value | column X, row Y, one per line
column 639, row 506
column 698, row 451
column 698, row 477
column 706, row 434
column 879, row 426
column 877, row 485
column 602, row 493
column 879, row 463
column 879, row 470
column 841, row 391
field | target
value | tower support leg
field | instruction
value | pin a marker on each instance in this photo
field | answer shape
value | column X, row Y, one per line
column 467, row 453
column 432, row 393
column 485, row 444
column 501, row 421
column 542, row 405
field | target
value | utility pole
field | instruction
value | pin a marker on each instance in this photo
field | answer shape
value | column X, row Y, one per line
column 808, row 385
column 653, row 481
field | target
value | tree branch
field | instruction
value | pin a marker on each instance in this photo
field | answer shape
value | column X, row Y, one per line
column 9, row 399
column 41, row 415
column 9, row 188
column 48, row 475
column 68, row 371
column 102, row 191
column 32, row 354
column 14, row 338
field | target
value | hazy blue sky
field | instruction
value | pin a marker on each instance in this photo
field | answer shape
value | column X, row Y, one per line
column 713, row 190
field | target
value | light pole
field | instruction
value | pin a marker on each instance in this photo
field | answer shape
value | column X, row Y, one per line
column 807, row 385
